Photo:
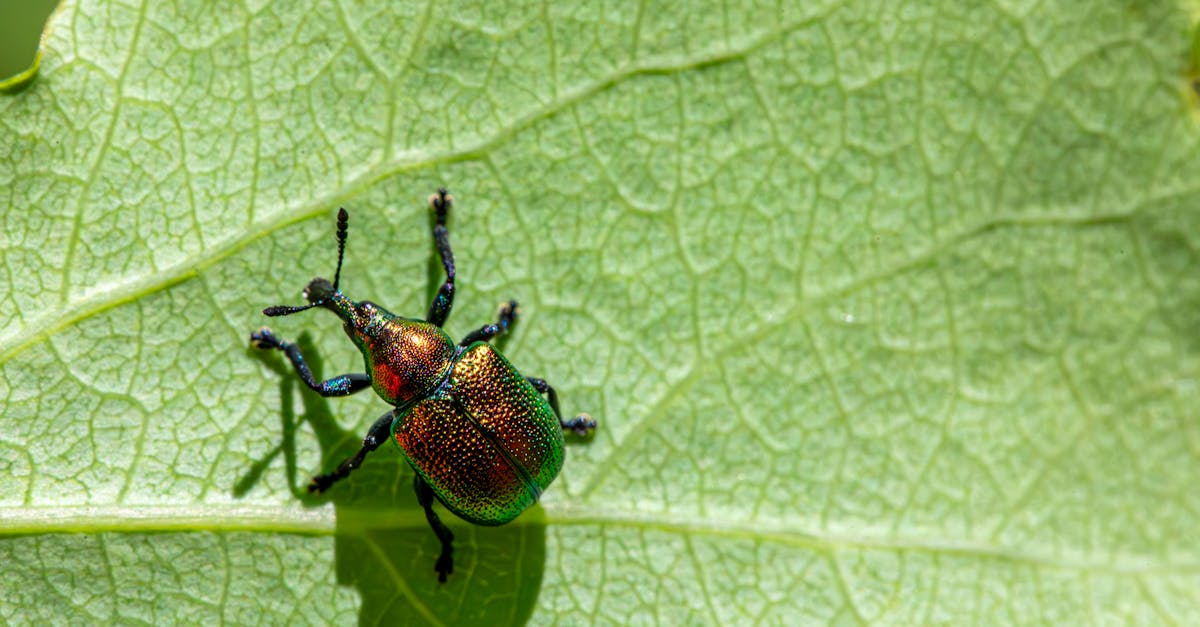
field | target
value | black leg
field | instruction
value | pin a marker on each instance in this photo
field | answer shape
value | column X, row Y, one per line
column 445, row 561
column 379, row 433
column 581, row 424
column 508, row 313
column 343, row 385
column 439, row 309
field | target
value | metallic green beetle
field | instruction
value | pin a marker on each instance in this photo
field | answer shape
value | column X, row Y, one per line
column 480, row 436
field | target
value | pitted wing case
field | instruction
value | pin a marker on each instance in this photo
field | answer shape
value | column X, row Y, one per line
column 490, row 445
column 469, row 474
column 509, row 409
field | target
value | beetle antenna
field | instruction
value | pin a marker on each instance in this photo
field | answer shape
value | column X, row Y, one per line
column 286, row 310
column 343, row 224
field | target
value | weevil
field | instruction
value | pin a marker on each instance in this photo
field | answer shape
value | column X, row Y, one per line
column 483, row 439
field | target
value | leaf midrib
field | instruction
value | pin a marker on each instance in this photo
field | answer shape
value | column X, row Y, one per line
column 329, row 520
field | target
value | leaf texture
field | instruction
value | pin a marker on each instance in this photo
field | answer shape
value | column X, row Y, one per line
column 889, row 312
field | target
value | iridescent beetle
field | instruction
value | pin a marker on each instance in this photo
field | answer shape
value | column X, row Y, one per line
column 480, row 436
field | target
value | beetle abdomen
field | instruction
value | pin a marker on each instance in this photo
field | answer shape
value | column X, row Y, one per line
column 509, row 409
column 469, row 473
column 490, row 445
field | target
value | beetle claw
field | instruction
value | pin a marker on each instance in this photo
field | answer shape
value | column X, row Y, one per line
column 264, row 339
column 319, row 484
column 445, row 565
column 440, row 200
column 509, row 308
column 581, row 425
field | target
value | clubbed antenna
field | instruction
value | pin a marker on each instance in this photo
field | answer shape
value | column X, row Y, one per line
column 318, row 289
column 342, row 228
column 285, row 310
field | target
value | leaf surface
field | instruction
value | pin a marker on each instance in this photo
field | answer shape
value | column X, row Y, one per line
column 888, row 313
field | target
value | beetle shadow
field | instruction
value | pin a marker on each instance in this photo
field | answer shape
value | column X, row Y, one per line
column 382, row 542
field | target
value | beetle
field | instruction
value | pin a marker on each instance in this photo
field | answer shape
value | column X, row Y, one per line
column 482, row 439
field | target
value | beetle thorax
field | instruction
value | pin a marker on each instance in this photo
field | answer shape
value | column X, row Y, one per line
column 407, row 359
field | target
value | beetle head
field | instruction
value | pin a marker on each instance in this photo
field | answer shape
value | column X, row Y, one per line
column 318, row 291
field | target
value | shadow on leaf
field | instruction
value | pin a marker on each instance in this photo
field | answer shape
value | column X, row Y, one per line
column 383, row 545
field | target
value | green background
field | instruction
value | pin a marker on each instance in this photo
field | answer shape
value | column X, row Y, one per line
column 20, row 27
column 888, row 312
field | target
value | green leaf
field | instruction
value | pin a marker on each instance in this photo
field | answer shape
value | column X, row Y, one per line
column 889, row 313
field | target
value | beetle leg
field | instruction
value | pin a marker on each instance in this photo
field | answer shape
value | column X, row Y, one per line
column 508, row 312
column 439, row 309
column 342, row 385
column 581, row 424
column 380, row 432
column 445, row 561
